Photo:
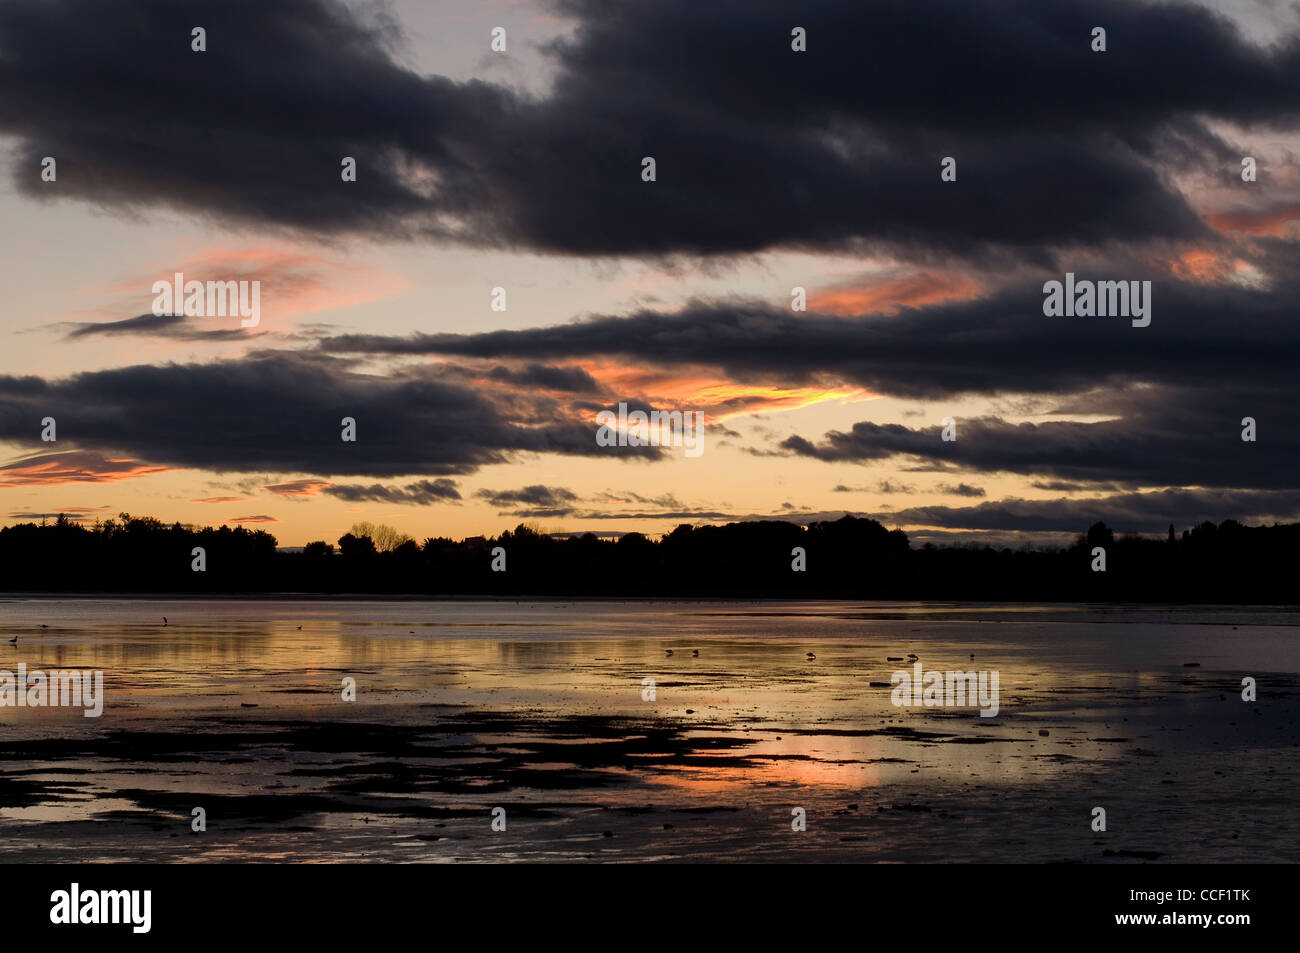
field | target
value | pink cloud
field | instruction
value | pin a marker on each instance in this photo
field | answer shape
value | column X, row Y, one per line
column 73, row 466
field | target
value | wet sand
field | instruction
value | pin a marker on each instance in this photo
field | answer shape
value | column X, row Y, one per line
column 538, row 708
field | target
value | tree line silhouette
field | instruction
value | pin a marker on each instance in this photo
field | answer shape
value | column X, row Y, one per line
column 849, row 558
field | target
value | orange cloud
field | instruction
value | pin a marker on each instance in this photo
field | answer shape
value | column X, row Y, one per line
column 717, row 397
column 1281, row 221
column 725, row 399
column 888, row 297
column 1209, row 267
column 72, row 466
column 298, row 488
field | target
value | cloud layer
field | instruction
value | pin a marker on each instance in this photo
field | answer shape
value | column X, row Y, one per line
column 757, row 146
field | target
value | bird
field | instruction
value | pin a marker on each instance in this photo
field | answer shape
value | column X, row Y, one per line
column 668, row 651
column 299, row 628
column 164, row 620
column 810, row 655
column 696, row 653
column 44, row 626
column 14, row 640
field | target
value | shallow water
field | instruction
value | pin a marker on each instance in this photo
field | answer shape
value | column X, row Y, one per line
column 538, row 708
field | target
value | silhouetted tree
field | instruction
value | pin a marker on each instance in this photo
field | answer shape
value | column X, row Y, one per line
column 356, row 547
column 850, row 558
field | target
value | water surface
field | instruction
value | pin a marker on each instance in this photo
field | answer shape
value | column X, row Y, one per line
column 235, row 706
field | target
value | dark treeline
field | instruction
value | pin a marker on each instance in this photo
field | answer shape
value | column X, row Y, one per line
column 847, row 558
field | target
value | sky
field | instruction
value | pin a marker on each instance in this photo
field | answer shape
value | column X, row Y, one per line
column 776, row 168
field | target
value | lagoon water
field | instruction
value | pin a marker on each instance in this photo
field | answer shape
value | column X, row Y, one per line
column 542, row 708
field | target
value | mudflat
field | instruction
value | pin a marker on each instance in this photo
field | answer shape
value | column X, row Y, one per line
column 644, row 731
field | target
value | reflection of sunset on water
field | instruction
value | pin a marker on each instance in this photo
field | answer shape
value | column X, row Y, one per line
column 540, row 707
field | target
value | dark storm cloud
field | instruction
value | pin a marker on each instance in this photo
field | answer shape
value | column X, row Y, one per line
column 1066, row 486
column 1169, row 437
column 574, row 380
column 680, row 516
column 1178, row 389
column 961, row 489
column 535, row 495
column 252, row 130
column 756, row 145
column 1019, row 63
column 282, row 411
column 1150, row 512
column 995, row 345
column 157, row 325
column 420, row 492
column 541, row 514
column 667, row 500
column 539, row 502
column 884, row 486
column 1129, row 512
column 1134, row 512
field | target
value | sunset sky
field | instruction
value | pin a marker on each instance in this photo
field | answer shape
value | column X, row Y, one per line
column 775, row 169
